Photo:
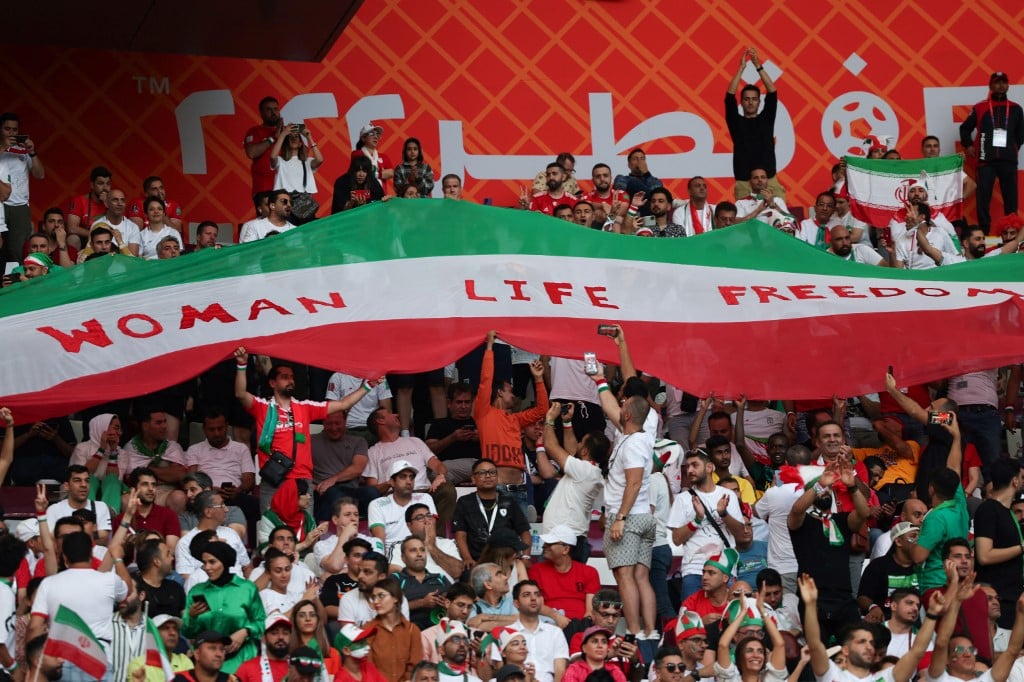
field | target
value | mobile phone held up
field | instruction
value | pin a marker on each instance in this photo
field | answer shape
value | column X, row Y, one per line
column 608, row 330
column 940, row 418
column 590, row 366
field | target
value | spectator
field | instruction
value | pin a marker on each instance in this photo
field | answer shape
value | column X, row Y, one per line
column 709, row 601
column 77, row 484
column 56, row 247
column 18, row 161
column 784, row 605
column 997, row 538
column 391, row 448
column 261, row 202
column 168, row 248
column 197, row 482
column 442, row 554
column 83, row 210
column 974, row 610
column 816, row 231
column 354, row 646
column 343, row 582
column 329, row 552
column 583, row 214
column 595, row 647
column 397, row 646
column 206, row 236
column 357, row 186
column 639, row 178
column 227, row 461
column 339, row 460
column 258, row 141
column 99, row 455
column 277, row 632
column 451, row 187
column 102, row 243
column 279, row 211
column 567, row 585
column 458, row 602
column 720, row 450
column 1000, row 636
column 153, row 235
column 381, row 167
column 478, row 516
column 976, row 396
column 923, row 246
column 753, row 132
column 169, row 627
column 947, row 520
column 661, row 552
column 290, row 507
column 41, row 450
column 550, row 651
column 283, row 583
column 425, row 590
column 583, row 468
column 228, row 601
column 127, row 233
column 753, row 658
column 413, row 172
column 999, row 124
column 453, row 646
column 163, row 596
column 209, row 651
column 913, row 511
column 696, row 214
column 153, row 186
column 671, row 664
column 454, row 438
column 339, row 385
column 608, row 204
column 209, row 508
column 762, row 203
column 12, row 552
column 151, row 516
column 725, row 214
column 905, row 605
column 494, row 606
column 504, row 647
column 556, row 194
column 356, row 606
column 127, row 642
column 289, row 157
column 841, row 245
column 151, row 448
column 283, row 422
column 888, row 573
column 387, row 514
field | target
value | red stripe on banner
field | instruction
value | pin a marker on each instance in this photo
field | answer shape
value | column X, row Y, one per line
column 879, row 216
column 806, row 358
column 72, row 654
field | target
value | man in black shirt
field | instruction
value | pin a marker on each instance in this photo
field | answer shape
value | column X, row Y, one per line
column 454, row 439
column 156, row 561
column 753, row 133
column 821, row 542
column 477, row 516
column 425, row 591
column 998, row 542
column 894, row 570
column 340, row 583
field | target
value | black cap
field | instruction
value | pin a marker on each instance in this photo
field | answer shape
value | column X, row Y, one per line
column 509, row 671
column 210, row 636
column 998, row 76
column 306, row 661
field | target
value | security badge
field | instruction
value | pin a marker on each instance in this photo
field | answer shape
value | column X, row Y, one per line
column 999, row 138
column 503, row 512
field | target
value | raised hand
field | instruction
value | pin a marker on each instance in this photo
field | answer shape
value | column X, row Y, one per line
column 241, row 356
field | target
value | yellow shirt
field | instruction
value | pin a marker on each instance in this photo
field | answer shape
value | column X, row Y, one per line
column 746, row 490
column 179, row 663
column 897, row 469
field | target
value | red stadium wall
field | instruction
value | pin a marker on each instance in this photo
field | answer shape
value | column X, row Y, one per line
column 494, row 89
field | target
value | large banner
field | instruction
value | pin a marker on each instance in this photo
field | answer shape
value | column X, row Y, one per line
column 408, row 286
column 495, row 89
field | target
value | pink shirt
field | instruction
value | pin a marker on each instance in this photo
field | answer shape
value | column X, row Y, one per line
column 975, row 388
column 222, row 465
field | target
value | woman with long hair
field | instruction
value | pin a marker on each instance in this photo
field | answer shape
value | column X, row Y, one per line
column 505, row 549
column 99, row 455
column 369, row 139
column 308, row 630
column 226, row 603
column 397, row 646
column 412, row 172
column 157, row 228
column 754, row 663
column 296, row 157
column 356, row 187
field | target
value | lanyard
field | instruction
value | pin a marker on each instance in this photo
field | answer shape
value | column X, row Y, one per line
column 1006, row 117
column 494, row 513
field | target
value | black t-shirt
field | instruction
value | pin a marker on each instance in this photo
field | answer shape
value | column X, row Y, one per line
column 881, row 577
column 996, row 522
column 168, row 599
column 829, row 565
column 469, row 519
column 460, row 449
column 336, row 586
column 413, row 589
column 753, row 139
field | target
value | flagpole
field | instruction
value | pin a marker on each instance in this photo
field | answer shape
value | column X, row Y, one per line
column 39, row 664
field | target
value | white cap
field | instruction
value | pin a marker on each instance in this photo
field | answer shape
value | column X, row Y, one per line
column 400, row 466
column 560, row 533
column 26, row 530
column 369, row 128
column 164, row 618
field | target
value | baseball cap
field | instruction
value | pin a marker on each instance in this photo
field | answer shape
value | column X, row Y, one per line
column 274, row 618
column 208, row 636
column 26, row 530
column 997, row 76
column 509, row 671
column 901, row 528
column 350, row 634
column 560, row 533
column 165, row 618
column 594, row 630
column 306, row 661
column 400, row 466
column 369, row 128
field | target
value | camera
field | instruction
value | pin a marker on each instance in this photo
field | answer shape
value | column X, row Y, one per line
column 940, row 418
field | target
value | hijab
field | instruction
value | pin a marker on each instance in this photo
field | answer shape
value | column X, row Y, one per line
column 285, row 504
column 227, row 556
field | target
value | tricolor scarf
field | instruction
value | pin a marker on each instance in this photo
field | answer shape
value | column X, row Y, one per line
column 445, row 669
column 828, row 525
column 266, row 441
column 156, row 454
column 806, row 476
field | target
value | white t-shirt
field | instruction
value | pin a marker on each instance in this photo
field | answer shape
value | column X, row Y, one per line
column 862, row 253
column 774, row 507
column 631, row 452
column 282, row 603
column 300, row 576
column 222, row 465
column 900, row 644
column 15, row 167
column 445, row 545
column 353, row 608
column 849, row 222
column 129, row 231
column 907, row 251
column 662, row 506
column 131, row 458
column 807, row 231
column 732, row 673
column 90, row 594
column 381, row 455
column 898, row 228
column 340, row 385
column 63, row 508
column 573, row 498
column 387, row 513
column 745, row 206
column 837, row 674
column 983, row 677
column 323, row 548
column 255, row 230
column 186, row 564
column 569, row 381
column 705, row 542
column 149, row 240
column 8, row 613
column 545, row 645
column 289, row 175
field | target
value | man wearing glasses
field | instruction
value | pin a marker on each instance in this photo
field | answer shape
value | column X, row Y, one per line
column 477, row 516
column 815, row 231
column 280, row 209
column 442, row 553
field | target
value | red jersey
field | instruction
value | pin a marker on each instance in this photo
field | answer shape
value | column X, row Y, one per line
column 136, row 210
column 546, row 204
column 86, row 208
column 288, row 437
column 263, row 175
column 252, row 670
column 566, row 591
column 160, row 519
column 699, row 603
column 614, row 195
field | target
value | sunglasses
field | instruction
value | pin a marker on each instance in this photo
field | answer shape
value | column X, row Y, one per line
column 961, row 650
column 617, row 605
column 740, row 593
column 674, row 667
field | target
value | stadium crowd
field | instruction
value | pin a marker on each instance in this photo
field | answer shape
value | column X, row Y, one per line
column 451, row 524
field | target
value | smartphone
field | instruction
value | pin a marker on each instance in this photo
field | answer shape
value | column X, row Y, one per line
column 301, row 128
column 565, row 409
column 200, row 599
column 14, row 277
column 890, row 370
column 363, row 194
column 884, row 233
column 650, row 221
column 629, row 637
column 21, row 139
column 608, row 330
column 940, row 418
column 590, row 365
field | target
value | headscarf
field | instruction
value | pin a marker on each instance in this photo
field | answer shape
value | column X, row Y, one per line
column 285, row 504
column 227, row 556
column 40, row 259
column 98, row 426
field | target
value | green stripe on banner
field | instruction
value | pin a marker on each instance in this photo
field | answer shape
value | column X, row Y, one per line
column 404, row 229
column 905, row 168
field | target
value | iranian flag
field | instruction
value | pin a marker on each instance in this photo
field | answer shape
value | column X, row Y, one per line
column 878, row 188
column 408, row 286
column 153, row 646
column 71, row 639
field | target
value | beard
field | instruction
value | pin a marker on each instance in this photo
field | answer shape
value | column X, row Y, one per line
column 554, row 185
column 844, row 251
column 278, row 650
column 602, row 186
